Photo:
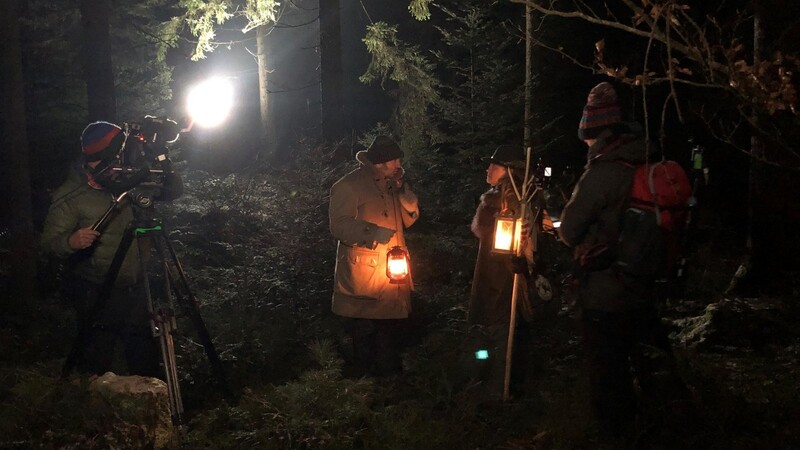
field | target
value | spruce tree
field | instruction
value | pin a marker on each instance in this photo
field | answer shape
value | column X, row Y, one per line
column 481, row 99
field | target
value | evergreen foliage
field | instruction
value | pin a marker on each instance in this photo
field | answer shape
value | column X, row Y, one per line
column 457, row 109
column 203, row 17
column 415, row 87
column 51, row 36
column 420, row 9
column 319, row 410
column 139, row 56
column 140, row 70
column 482, row 98
column 57, row 86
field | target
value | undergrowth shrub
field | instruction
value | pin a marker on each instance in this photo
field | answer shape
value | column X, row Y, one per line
column 319, row 409
column 41, row 411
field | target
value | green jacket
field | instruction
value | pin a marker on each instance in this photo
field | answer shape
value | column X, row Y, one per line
column 77, row 205
column 592, row 219
column 359, row 204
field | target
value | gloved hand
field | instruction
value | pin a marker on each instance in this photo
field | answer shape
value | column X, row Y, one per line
column 383, row 235
column 526, row 232
column 519, row 264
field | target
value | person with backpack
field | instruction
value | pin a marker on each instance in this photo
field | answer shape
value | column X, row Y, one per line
column 618, row 308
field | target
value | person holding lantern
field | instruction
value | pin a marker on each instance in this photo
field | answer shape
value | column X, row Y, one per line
column 369, row 209
column 493, row 279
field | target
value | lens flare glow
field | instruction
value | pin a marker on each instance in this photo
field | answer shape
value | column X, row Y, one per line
column 210, row 102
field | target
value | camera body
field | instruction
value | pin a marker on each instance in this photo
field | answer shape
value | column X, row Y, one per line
column 147, row 140
column 142, row 164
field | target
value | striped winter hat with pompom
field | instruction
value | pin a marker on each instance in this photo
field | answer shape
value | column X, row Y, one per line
column 101, row 140
column 602, row 110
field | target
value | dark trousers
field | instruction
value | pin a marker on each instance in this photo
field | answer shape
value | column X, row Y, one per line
column 123, row 319
column 616, row 345
column 375, row 346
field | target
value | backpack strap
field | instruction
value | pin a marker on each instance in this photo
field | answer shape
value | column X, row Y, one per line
column 652, row 187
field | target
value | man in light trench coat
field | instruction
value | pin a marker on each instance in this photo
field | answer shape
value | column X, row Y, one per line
column 369, row 208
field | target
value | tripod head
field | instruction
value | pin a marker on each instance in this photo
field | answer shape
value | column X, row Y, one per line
column 140, row 197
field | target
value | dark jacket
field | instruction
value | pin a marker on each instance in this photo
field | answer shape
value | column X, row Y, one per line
column 359, row 205
column 77, row 205
column 591, row 220
column 492, row 281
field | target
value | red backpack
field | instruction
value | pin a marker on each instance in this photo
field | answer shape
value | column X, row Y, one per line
column 656, row 216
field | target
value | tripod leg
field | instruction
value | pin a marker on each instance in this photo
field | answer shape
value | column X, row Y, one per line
column 171, row 367
column 190, row 307
column 76, row 352
column 162, row 323
column 168, row 351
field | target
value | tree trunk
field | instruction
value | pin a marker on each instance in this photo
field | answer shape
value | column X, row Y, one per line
column 746, row 268
column 97, row 66
column 17, row 251
column 528, row 76
column 330, row 45
column 267, row 120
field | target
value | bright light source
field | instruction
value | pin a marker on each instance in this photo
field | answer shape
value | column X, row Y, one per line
column 556, row 224
column 548, row 171
column 507, row 234
column 210, row 102
column 482, row 354
column 397, row 265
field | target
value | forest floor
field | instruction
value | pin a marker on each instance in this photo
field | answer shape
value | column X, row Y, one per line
column 261, row 268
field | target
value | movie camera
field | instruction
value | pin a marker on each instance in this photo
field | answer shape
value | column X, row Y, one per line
column 142, row 163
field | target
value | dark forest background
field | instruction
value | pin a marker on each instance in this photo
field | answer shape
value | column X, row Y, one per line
column 447, row 80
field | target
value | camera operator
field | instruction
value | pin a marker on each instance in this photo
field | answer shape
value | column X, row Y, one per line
column 68, row 233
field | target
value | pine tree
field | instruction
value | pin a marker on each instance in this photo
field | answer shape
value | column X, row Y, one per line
column 56, row 87
column 482, row 99
column 411, row 80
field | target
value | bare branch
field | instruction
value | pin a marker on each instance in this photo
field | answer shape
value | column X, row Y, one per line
column 688, row 51
column 671, row 72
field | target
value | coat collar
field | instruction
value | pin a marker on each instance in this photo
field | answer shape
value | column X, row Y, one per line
column 621, row 142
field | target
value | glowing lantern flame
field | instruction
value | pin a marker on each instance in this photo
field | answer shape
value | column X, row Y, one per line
column 507, row 234
column 397, row 265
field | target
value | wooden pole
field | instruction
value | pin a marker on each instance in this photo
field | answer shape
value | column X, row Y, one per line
column 522, row 196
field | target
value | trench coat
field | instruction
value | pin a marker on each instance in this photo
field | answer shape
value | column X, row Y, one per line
column 359, row 204
column 493, row 278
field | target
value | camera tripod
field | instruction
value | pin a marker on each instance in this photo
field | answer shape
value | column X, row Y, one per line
column 148, row 232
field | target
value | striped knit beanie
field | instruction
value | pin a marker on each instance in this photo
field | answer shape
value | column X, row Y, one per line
column 101, row 140
column 602, row 110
